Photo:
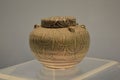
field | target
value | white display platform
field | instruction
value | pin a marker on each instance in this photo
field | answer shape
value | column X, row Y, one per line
column 88, row 69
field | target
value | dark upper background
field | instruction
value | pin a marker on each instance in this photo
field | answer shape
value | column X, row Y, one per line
column 17, row 17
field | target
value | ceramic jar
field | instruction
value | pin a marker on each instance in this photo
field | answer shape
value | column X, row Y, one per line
column 59, row 42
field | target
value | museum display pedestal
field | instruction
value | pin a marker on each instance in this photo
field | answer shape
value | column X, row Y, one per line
column 88, row 69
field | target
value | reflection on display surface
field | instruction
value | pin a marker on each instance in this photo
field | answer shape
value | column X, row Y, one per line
column 33, row 70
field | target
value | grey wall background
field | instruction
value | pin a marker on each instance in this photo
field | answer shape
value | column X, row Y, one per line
column 17, row 17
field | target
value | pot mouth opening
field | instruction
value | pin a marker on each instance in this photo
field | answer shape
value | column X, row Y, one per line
column 58, row 22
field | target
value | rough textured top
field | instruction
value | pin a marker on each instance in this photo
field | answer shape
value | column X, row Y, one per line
column 58, row 22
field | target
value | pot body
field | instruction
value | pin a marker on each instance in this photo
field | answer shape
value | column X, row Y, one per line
column 59, row 47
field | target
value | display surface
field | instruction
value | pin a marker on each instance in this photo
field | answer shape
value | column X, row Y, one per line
column 59, row 42
column 88, row 69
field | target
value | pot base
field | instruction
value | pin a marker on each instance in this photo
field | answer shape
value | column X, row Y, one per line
column 58, row 65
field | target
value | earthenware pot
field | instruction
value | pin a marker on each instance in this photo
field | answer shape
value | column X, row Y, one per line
column 59, row 42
